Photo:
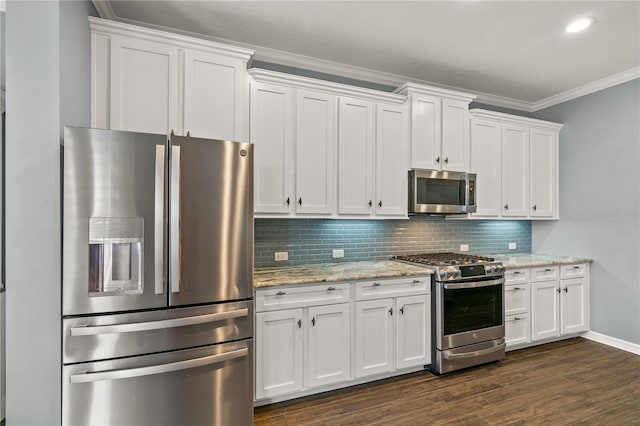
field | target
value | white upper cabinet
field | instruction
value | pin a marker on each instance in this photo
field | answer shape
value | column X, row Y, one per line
column 153, row 81
column 439, row 127
column 355, row 156
column 143, row 86
column 543, row 148
column 272, row 135
column 391, row 161
column 326, row 149
column 516, row 163
column 315, row 152
column 515, row 170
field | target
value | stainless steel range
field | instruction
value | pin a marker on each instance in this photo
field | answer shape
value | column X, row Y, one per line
column 467, row 309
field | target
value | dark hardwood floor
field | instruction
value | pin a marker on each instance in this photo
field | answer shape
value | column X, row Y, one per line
column 574, row 381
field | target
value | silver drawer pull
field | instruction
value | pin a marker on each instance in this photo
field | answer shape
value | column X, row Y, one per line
column 516, row 272
column 517, row 318
column 416, row 281
column 376, row 284
column 516, row 288
column 281, row 293
column 548, row 269
column 576, row 267
column 331, row 288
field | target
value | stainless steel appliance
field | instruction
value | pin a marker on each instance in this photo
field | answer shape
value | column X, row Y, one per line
column 467, row 309
column 441, row 192
column 157, row 280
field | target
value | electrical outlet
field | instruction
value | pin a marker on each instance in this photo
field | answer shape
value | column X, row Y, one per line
column 282, row 255
column 338, row 253
column 512, row 246
column 464, row 247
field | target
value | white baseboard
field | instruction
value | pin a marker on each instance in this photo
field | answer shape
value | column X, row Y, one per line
column 634, row 348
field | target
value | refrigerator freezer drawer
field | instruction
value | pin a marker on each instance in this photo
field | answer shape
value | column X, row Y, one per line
column 204, row 386
column 111, row 336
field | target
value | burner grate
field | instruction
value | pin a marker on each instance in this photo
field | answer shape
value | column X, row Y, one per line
column 443, row 259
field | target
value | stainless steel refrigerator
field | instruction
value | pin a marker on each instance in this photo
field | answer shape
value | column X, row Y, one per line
column 157, row 279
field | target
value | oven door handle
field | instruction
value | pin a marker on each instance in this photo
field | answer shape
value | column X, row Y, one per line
column 473, row 284
column 453, row 357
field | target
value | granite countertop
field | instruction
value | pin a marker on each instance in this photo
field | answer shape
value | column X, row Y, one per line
column 334, row 272
column 528, row 260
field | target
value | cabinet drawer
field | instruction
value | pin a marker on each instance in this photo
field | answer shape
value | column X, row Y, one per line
column 516, row 299
column 383, row 288
column 544, row 273
column 573, row 271
column 299, row 297
column 516, row 330
column 516, row 276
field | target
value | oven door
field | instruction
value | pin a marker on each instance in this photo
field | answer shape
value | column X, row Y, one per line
column 469, row 312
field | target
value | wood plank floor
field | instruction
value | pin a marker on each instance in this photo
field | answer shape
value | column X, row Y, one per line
column 574, row 381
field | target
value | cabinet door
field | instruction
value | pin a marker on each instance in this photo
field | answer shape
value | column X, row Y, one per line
column 413, row 335
column 391, row 164
column 144, row 86
column 574, row 305
column 486, row 163
column 426, row 132
column 516, row 330
column 315, row 152
column 355, row 157
column 543, row 148
column 545, row 321
column 515, row 170
column 329, row 340
column 455, row 135
column 278, row 352
column 374, row 337
column 272, row 131
column 213, row 96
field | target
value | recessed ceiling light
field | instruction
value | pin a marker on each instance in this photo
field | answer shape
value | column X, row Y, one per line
column 580, row 24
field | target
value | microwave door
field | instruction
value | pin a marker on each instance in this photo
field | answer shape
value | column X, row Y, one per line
column 113, row 215
column 211, row 221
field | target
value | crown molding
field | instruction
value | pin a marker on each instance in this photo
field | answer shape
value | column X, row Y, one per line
column 409, row 88
column 586, row 89
column 109, row 27
column 104, row 9
column 514, row 119
column 274, row 77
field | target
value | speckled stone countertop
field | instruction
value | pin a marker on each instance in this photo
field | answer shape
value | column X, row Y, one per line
column 528, row 260
column 334, row 272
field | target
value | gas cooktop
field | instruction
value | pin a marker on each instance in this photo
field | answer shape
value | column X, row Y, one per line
column 444, row 259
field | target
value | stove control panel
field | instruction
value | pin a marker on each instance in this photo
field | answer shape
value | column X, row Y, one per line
column 460, row 272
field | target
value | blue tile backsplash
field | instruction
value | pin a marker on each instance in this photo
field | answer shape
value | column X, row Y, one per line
column 312, row 240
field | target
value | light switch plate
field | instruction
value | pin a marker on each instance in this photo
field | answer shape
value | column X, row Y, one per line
column 338, row 253
column 464, row 247
column 512, row 246
column 282, row 255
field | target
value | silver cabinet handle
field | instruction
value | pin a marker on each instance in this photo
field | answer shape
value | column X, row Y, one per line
column 558, row 290
column 158, row 231
column 517, row 318
column 475, row 353
column 376, row 284
column 313, row 321
column 548, row 269
column 281, row 293
column 402, row 310
column 535, row 207
column 331, row 289
column 92, row 330
column 516, row 272
column 438, row 160
column 516, row 288
column 157, row 369
column 370, row 203
column 174, row 227
column 566, row 290
column 506, row 206
column 380, row 203
column 446, row 160
column 300, row 201
column 576, row 267
column 299, row 323
column 288, row 200
column 416, row 281
column 390, row 311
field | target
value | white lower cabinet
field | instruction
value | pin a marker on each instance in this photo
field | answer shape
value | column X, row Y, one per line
column 307, row 342
column 304, row 346
column 516, row 330
column 392, row 332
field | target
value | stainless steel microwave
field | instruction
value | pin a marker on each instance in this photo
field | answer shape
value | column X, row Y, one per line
column 441, row 192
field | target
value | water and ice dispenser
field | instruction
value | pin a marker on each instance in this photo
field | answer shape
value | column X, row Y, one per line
column 115, row 256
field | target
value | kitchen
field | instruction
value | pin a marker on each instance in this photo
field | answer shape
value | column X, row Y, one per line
column 604, row 230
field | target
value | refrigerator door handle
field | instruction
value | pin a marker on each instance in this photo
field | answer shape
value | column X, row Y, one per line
column 158, row 240
column 93, row 330
column 174, row 231
column 89, row 377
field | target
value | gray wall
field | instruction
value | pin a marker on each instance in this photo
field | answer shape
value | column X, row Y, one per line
column 312, row 240
column 600, row 202
column 47, row 78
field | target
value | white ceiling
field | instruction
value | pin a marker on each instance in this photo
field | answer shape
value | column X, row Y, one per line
column 512, row 53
